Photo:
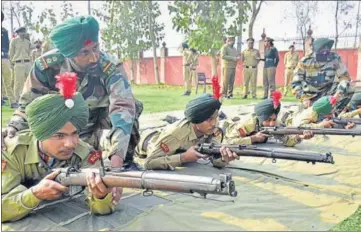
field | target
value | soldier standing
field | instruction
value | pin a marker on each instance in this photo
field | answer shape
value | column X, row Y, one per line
column 230, row 57
column 250, row 58
column 20, row 59
column 290, row 61
column 187, row 61
column 36, row 52
column 271, row 60
column 193, row 66
column 319, row 73
column 7, row 88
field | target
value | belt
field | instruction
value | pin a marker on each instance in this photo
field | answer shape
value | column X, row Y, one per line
column 147, row 139
column 291, row 67
column 21, row 61
column 250, row 66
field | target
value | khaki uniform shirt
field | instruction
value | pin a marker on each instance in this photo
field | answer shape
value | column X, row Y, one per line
column 165, row 147
column 351, row 114
column 249, row 57
column 187, row 56
column 229, row 54
column 21, row 170
column 306, row 118
column 291, row 60
column 19, row 49
column 194, row 61
column 240, row 132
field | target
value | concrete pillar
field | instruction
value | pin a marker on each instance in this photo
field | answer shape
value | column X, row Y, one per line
column 260, row 67
column 163, row 58
column 309, row 41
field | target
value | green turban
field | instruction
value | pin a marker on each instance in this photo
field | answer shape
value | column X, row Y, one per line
column 322, row 42
column 356, row 100
column 323, row 105
column 49, row 113
column 201, row 108
column 265, row 109
column 70, row 36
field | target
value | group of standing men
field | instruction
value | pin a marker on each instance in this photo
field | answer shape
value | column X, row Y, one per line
column 250, row 58
column 17, row 57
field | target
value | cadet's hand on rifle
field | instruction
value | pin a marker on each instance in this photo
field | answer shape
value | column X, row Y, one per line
column 116, row 162
column 258, row 138
column 9, row 131
column 48, row 189
column 327, row 124
column 96, row 186
column 350, row 125
column 228, row 155
column 191, row 155
column 306, row 135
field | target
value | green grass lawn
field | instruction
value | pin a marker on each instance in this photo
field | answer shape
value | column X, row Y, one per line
column 160, row 98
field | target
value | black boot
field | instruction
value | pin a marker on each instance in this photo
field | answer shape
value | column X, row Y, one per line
column 244, row 97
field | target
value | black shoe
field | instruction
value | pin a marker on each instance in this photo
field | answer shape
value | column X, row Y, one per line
column 14, row 106
column 264, row 98
column 132, row 166
column 244, row 97
column 186, row 93
column 254, row 97
column 5, row 98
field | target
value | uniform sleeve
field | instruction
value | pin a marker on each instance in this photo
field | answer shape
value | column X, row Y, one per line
column 237, row 133
column 277, row 58
column 17, row 201
column 12, row 50
column 351, row 114
column 162, row 154
column 285, row 59
column 307, row 120
column 121, row 113
column 298, row 78
column 225, row 55
column 35, row 86
column 288, row 140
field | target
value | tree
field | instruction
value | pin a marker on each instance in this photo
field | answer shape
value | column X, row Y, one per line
column 204, row 23
column 68, row 11
column 45, row 22
column 302, row 14
column 358, row 23
column 341, row 10
column 151, row 15
column 256, row 7
column 127, row 31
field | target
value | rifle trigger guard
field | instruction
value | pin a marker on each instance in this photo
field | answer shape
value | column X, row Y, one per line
column 147, row 193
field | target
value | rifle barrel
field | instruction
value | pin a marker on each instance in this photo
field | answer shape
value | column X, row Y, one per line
column 150, row 180
column 316, row 131
column 213, row 150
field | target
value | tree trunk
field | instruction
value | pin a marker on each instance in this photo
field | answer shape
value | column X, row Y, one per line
column 357, row 24
column 152, row 37
column 240, row 15
column 214, row 65
column 336, row 21
column 250, row 27
column 255, row 11
column 11, row 20
column 132, row 64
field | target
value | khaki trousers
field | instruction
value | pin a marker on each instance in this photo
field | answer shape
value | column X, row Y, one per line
column 187, row 77
column 250, row 74
column 269, row 81
column 7, row 81
column 228, row 75
column 21, row 71
column 288, row 80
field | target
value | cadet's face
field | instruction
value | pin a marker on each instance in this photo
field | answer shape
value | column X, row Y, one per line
column 61, row 145
column 22, row 34
column 250, row 43
column 88, row 56
column 270, row 122
column 292, row 49
column 230, row 41
column 207, row 127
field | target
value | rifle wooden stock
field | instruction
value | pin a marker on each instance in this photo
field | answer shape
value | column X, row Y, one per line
column 250, row 150
column 317, row 131
column 151, row 180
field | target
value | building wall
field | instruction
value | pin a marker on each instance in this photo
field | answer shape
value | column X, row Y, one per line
column 144, row 70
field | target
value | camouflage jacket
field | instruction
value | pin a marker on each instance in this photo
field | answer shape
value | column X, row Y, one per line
column 106, row 91
column 312, row 78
